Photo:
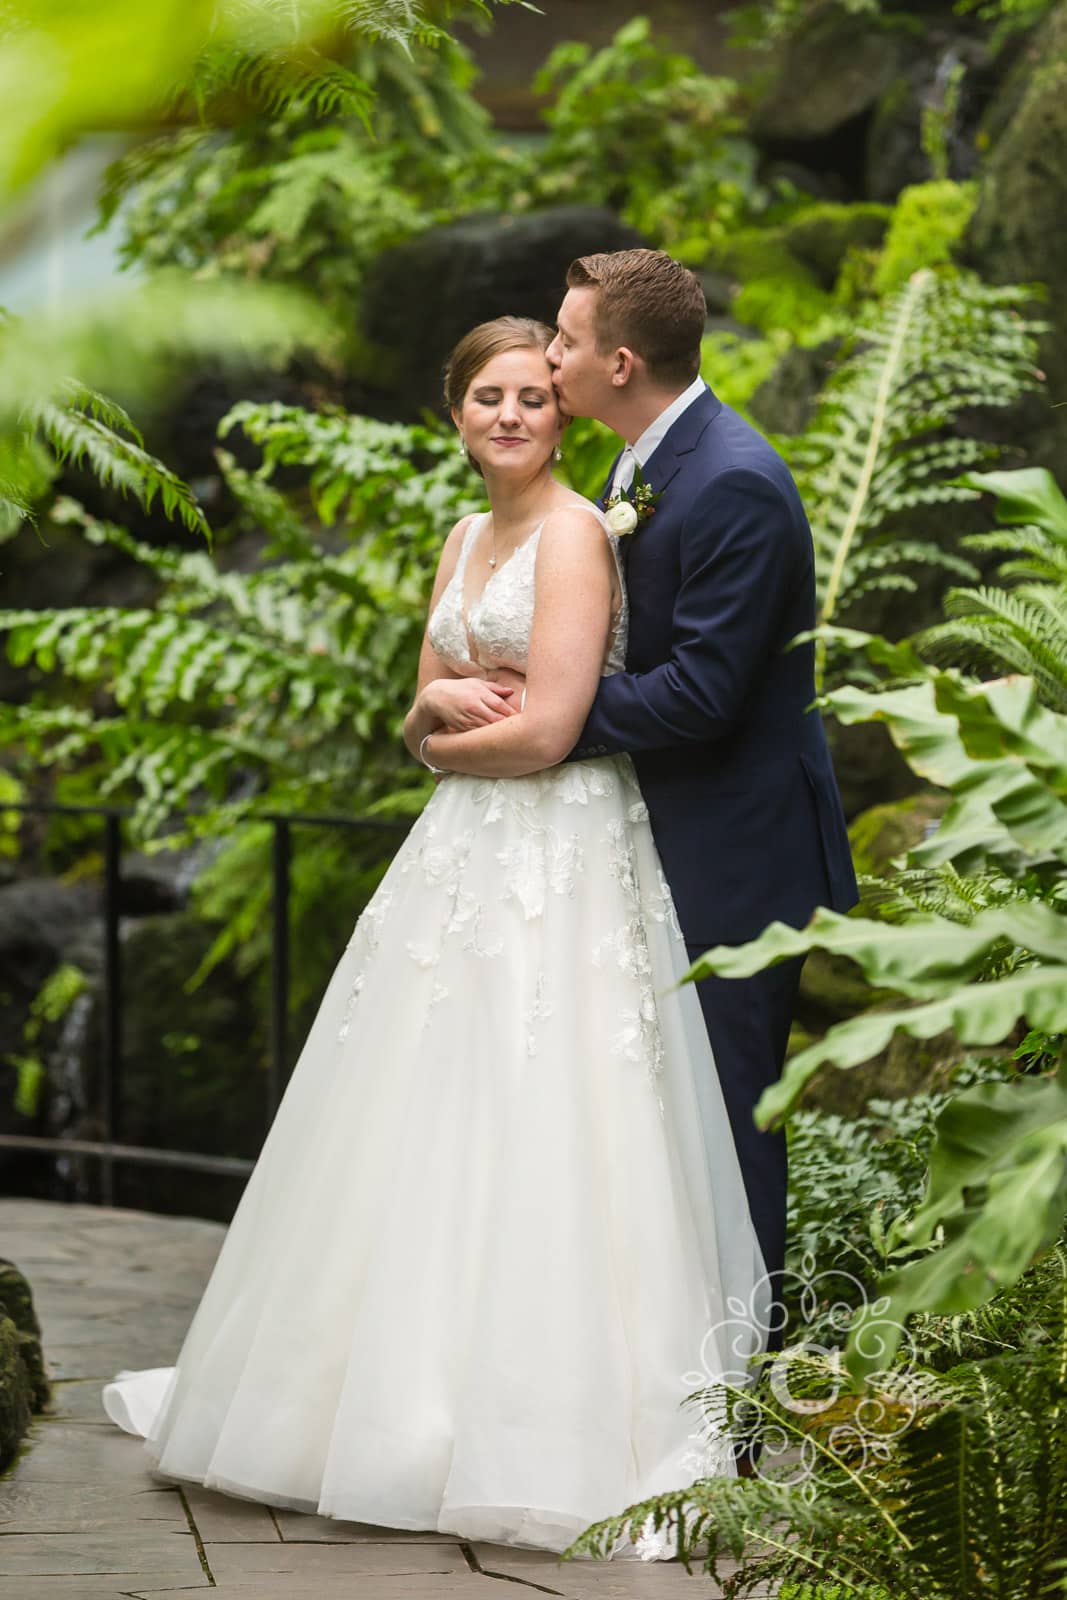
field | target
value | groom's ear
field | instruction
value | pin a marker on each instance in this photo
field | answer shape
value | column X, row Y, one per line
column 623, row 367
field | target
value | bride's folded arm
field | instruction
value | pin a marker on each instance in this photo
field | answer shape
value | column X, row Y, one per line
column 572, row 618
column 425, row 715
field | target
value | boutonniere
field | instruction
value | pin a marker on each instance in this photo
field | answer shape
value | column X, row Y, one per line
column 626, row 511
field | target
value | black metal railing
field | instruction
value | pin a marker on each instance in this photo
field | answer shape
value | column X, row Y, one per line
column 108, row 1150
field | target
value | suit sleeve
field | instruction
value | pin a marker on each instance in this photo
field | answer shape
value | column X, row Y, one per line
column 742, row 554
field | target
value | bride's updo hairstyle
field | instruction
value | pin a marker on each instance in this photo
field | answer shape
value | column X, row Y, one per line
column 477, row 348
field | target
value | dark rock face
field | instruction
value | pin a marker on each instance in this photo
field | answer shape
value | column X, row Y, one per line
column 785, row 402
column 868, row 766
column 24, row 1386
column 895, row 155
column 1019, row 230
column 826, row 74
column 425, row 294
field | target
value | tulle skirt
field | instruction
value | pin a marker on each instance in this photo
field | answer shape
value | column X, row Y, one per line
column 497, row 1232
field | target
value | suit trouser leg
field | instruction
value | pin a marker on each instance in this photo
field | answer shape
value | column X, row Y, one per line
column 748, row 1022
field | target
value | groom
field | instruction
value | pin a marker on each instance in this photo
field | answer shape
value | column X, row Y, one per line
column 733, row 764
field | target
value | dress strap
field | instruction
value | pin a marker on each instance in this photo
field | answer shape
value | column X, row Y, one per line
column 468, row 540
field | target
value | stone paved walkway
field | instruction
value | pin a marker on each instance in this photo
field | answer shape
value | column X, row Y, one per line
column 80, row 1515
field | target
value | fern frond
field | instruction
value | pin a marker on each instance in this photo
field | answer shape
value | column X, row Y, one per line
column 1034, row 553
column 15, row 509
column 86, row 438
column 878, row 446
column 1022, row 630
column 283, row 79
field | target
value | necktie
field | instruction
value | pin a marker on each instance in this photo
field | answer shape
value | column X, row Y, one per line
column 624, row 472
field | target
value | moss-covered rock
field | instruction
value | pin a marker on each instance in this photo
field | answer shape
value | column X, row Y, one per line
column 772, row 288
column 1019, row 230
column 24, row 1385
column 906, row 1067
column 821, row 236
column 16, row 1406
column 882, row 833
column 782, row 276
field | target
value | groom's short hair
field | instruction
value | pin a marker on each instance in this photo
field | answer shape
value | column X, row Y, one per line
column 648, row 302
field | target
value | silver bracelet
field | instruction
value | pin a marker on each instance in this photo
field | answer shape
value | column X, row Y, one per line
column 438, row 772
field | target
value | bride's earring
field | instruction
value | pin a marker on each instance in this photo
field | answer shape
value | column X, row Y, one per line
column 463, row 448
column 557, row 454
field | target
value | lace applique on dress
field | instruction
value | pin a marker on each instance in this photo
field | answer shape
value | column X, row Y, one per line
column 497, row 623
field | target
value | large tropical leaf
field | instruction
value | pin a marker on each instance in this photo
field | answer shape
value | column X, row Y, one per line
column 996, row 1198
column 1030, row 494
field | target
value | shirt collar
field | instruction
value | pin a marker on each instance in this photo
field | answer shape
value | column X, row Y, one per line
column 656, row 431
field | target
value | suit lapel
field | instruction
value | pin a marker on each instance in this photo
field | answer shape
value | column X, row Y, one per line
column 669, row 456
column 680, row 440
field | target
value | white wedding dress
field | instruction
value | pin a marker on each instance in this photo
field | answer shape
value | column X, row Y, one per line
column 497, row 1232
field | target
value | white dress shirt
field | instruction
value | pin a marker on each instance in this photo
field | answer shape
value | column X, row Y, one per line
column 637, row 454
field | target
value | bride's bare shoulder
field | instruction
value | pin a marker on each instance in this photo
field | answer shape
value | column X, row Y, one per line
column 575, row 514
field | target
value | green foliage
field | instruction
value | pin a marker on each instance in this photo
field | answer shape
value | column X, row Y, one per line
column 293, row 678
column 997, row 1189
column 928, row 222
column 299, row 196
column 11, row 791
column 735, row 367
column 852, row 1182
column 1006, row 17
column 67, row 69
column 1024, row 630
column 640, row 128
column 333, row 873
column 305, row 196
column 766, row 26
column 776, row 290
column 931, row 1486
column 880, row 445
column 50, row 1005
column 85, row 428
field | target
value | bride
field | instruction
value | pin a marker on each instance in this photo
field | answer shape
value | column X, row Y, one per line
column 497, row 1228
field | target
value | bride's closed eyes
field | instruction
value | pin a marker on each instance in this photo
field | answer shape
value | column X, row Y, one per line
column 529, row 397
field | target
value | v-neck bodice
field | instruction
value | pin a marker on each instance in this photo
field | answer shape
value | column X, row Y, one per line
column 493, row 629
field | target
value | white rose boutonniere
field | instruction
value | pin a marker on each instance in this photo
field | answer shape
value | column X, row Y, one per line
column 627, row 511
column 621, row 517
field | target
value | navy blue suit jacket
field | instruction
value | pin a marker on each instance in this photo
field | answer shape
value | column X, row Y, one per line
column 733, row 764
